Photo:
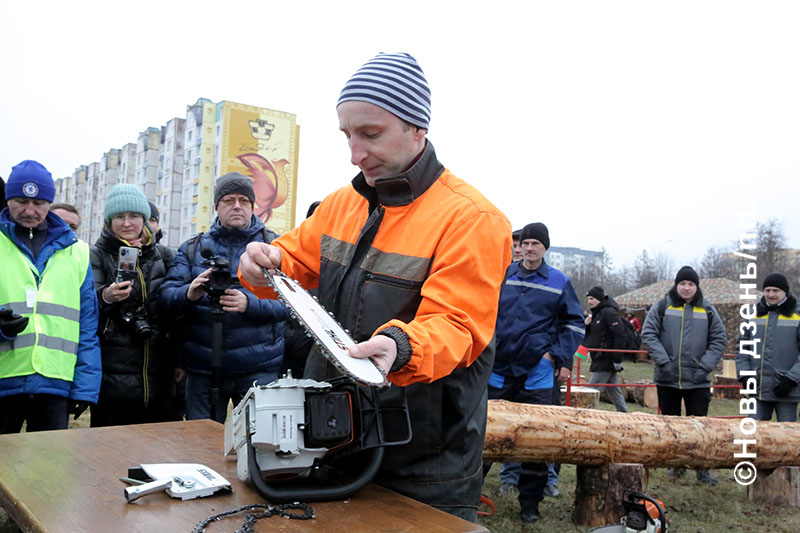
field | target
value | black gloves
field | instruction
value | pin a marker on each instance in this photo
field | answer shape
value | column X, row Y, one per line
column 77, row 407
column 784, row 386
column 11, row 323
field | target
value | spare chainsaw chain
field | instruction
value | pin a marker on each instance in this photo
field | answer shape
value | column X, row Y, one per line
column 250, row 520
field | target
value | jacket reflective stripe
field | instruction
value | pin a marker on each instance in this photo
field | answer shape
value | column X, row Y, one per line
column 533, row 286
column 27, row 340
column 576, row 329
column 45, row 308
column 396, row 265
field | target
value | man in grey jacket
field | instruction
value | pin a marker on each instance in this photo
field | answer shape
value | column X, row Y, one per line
column 775, row 331
column 685, row 337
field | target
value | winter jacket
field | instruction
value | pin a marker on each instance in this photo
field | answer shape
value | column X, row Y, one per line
column 777, row 331
column 85, row 384
column 605, row 331
column 253, row 340
column 684, row 347
column 422, row 253
column 136, row 370
column 539, row 312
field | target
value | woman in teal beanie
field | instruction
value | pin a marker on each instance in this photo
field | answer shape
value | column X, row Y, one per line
column 137, row 366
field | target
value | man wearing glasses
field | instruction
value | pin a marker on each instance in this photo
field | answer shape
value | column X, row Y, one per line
column 253, row 328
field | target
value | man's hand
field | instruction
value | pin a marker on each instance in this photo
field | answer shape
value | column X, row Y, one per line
column 380, row 348
column 548, row 357
column 11, row 324
column 117, row 292
column 178, row 374
column 259, row 255
column 197, row 287
column 563, row 374
column 783, row 387
column 77, row 407
column 233, row 300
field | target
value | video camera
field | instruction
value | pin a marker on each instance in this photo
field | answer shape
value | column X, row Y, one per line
column 220, row 275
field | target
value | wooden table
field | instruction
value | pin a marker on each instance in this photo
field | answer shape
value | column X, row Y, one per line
column 68, row 481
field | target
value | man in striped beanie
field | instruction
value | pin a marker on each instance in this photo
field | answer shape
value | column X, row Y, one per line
column 413, row 262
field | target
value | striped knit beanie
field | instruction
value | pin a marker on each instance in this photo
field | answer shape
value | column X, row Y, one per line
column 394, row 82
column 126, row 198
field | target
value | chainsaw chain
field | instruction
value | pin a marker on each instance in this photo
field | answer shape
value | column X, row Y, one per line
column 249, row 523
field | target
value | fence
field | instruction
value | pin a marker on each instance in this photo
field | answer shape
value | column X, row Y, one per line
column 578, row 381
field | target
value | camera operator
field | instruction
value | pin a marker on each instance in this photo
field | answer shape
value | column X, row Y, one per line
column 197, row 290
column 137, row 364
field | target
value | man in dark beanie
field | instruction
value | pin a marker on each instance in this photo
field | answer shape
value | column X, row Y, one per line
column 152, row 221
column 410, row 259
column 604, row 329
column 253, row 328
column 539, row 327
column 776, row 332
column 685, row 337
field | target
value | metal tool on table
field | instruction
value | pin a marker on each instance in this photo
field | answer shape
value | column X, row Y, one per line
column 184, row 481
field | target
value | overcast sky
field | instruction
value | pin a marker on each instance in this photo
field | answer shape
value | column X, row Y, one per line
column 624, row 125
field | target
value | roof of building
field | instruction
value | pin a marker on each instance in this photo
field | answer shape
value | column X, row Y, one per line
column 715, row 290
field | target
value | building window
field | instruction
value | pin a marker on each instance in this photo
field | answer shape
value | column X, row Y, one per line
column 189, row 135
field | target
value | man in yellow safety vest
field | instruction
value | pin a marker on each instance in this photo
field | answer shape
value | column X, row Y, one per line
column 49, row 353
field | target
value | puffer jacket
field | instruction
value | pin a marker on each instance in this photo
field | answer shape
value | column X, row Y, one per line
column 604, row 332
column 778, row 333
column 684, row 347
column 136, row 370
column 423, row 253
column 253, row 340
column 539, row 312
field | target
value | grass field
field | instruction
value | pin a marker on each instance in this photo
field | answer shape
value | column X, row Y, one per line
column 691, row 507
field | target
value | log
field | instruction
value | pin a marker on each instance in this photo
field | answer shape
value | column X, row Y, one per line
column 645, row 396
column 584, row 397
column 626, row 391
column 550, row 434
column 780, row 487
column 729, row 368
column 725, row 392
column 600, row 490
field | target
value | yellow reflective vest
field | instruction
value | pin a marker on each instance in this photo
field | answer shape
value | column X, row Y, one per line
column 52, row 303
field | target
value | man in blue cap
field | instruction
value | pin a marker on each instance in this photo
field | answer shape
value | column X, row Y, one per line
column 49, row 353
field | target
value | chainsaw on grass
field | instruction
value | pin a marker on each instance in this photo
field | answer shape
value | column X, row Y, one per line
column 643, row 514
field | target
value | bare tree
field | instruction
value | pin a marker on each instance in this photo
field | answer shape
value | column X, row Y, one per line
column 772, row 254
column 718, row 263
column 645, row 270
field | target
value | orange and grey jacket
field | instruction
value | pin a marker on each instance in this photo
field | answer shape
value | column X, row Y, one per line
column 422, row 255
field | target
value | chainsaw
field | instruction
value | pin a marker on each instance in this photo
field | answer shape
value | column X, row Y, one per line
column 643, row 514
column 308, row 440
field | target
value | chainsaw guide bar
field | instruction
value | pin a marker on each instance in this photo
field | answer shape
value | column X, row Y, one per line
column 332, row 339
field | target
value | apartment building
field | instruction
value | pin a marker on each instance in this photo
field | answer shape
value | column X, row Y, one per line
column 177, row 166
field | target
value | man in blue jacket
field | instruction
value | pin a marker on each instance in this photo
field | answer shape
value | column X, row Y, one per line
column 252, row 328
column 49, row 353
column 539, row 327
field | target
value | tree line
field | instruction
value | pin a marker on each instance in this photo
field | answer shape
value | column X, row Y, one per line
column 772, row 255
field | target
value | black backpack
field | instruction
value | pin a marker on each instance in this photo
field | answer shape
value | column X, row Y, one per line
column 630, row 340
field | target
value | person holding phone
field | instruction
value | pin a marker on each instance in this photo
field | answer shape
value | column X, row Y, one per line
column 129, row 266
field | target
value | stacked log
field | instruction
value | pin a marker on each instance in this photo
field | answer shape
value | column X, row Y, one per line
column 580, row 396
column 725, row 392
column 550, row 434
column 645, row 396
column 600, row 491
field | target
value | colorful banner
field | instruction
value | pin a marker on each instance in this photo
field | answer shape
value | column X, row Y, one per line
column 262, row 144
